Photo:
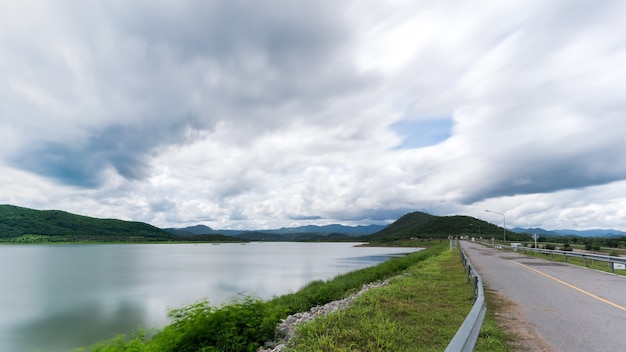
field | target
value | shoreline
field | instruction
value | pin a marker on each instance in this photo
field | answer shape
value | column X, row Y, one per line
column 287, row 327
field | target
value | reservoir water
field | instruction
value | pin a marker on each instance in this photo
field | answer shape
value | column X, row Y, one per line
column 59, row 297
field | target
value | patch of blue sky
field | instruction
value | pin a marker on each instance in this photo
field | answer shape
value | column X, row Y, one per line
column 422, row 133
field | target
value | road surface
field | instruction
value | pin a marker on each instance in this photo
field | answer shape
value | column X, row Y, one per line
column 572, row 307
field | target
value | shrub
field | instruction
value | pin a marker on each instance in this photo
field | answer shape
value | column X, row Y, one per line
column 123, row 343
column 246, row 324
column 239, row 326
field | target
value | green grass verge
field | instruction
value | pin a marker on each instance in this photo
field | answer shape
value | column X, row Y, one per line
column 420, row 310
column 493, row 337
column 416, row 242
column 591, row 264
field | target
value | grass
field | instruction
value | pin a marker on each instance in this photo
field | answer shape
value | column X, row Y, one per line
column 493, row 335
column 420, row 310
column 417, row 242
column 592, row 264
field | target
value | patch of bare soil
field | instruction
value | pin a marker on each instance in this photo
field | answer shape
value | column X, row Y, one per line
column 523, row 336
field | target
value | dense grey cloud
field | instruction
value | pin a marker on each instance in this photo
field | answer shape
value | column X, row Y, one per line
column 265, row 114
column 161, row 69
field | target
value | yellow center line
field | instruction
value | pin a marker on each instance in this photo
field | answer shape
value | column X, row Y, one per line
column 572, row 286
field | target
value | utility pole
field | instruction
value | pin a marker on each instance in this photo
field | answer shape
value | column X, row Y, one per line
column 503, row 223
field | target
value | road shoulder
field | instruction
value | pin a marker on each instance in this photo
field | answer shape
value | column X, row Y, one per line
column 522, row 334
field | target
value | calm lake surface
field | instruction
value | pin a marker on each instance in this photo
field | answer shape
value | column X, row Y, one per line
column 59, row 297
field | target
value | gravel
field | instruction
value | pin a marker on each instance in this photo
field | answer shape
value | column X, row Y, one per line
column 287, row 327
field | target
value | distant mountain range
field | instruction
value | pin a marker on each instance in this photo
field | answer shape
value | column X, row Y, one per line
column 307, row 232
column 565, row 232
column 18, row 224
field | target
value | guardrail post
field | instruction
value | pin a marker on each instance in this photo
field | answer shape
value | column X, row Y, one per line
column 465, row 338
column 475, row 287
column 588, row 258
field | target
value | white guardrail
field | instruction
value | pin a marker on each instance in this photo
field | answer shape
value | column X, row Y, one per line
column 465, row 338
column 612, row 261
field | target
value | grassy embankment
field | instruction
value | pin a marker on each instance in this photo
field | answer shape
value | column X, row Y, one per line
column 420, row 310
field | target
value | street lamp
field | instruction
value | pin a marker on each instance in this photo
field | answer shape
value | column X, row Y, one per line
column 503, row 222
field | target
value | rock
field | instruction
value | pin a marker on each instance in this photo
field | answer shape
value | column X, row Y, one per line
column 287, row 328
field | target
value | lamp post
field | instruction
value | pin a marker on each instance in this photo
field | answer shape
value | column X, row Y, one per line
column 503, row 222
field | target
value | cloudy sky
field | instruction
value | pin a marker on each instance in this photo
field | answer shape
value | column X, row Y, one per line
column 263, row 114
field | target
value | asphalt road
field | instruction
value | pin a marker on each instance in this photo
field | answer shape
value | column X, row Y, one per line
column 573, row 308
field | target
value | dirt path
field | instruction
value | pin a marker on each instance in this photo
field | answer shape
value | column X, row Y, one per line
column 523, row 334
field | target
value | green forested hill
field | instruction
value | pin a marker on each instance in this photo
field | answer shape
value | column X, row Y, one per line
column 422, row 225
column 29, row 225
column 407, row 226
column 19, row 224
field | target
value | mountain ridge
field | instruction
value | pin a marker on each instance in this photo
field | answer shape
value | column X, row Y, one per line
column 25, row 224
column 568, row 232
column 289, row 232
column 18, row 224
column 423, row 225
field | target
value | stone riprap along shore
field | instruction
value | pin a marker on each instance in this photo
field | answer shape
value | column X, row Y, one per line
column 287, row 327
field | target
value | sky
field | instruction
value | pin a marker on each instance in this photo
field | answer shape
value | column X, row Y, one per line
column 267, row 114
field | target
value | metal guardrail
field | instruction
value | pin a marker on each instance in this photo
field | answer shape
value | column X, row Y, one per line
column 610, row 260
column 465, row 338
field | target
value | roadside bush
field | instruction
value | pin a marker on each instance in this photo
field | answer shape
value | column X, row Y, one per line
column 239, row 326
column 135, row 342
column 246, row 324
column 549, row 246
